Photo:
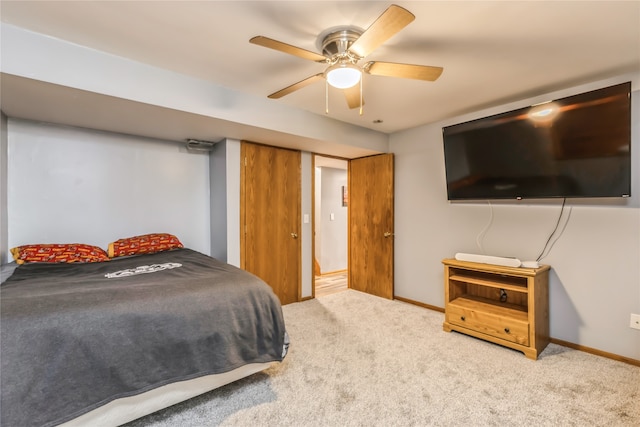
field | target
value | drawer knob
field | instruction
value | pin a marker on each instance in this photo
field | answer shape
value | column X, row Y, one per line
column 462, row 318
column 507, row 330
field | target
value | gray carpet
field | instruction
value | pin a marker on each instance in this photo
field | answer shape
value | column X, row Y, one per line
column 359, row 360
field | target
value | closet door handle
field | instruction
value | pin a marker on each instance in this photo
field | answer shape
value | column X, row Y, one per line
column 294, row 235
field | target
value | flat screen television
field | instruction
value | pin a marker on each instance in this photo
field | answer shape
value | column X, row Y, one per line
column 578, row 146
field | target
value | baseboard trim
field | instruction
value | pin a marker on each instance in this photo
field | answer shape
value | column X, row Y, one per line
column 331, row 273
column 595, row 351
column 574, row 346
column 420, row 304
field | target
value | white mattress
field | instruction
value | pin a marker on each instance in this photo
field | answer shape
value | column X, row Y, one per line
column 121, row 411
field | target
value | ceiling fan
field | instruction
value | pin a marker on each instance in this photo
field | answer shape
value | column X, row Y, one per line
column 342, row 49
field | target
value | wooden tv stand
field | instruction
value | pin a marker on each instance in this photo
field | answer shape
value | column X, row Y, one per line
column 504, row 305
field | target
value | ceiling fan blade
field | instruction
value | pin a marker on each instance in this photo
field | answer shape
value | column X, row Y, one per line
column 302, row 83
column 352, row 94
column 287, row 48
column 389, row 23
column 405, row 71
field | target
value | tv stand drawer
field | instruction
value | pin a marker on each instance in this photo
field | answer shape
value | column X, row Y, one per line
column 500, row 327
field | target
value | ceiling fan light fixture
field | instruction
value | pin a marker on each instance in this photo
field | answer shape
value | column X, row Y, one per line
column 343, row 75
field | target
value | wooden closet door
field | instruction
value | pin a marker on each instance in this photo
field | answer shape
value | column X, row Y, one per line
column 270, row 218
column 371, row 225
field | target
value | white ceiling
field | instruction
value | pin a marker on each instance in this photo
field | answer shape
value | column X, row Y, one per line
column 492, row 52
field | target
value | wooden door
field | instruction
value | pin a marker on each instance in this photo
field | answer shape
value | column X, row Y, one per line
column 371, row 225
column 270, row 218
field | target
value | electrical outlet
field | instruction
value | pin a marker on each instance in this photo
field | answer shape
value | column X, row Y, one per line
column 635, row 321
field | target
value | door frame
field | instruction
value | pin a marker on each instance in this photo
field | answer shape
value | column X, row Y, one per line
column 313, row 217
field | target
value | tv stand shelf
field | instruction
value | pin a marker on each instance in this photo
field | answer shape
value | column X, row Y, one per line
column 504, row 305
column 497, row 283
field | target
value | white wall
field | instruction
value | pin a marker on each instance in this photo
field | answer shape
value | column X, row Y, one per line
column 595, row 279
column 77, row 185
column 333, row 249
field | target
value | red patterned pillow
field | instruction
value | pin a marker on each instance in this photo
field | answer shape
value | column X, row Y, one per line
column 145, row 244
column 65, row 252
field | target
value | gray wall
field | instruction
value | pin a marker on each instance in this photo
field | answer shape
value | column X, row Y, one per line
column 4, row 248
column 76, row 185
column 224, row 183
column 595, row 279
column 218, row 192
column 70, row 184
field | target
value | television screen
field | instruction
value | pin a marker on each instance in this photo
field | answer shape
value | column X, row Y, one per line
column 578, row 146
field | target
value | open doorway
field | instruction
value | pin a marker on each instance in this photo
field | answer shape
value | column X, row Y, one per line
column 331, row 200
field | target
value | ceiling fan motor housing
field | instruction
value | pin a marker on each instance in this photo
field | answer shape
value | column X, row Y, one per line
column 337, row 42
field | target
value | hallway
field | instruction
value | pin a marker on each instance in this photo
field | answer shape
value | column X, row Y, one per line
column 328, row 284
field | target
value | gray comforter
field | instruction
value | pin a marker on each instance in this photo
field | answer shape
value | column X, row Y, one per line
column 76, row 336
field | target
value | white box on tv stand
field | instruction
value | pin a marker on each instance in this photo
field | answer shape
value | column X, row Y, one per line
column 488, row 259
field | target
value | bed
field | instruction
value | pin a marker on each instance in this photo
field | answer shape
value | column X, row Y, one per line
column 82, row 341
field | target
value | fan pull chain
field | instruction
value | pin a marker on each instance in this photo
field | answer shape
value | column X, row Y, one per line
column 326, row 96
column 361, row 78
